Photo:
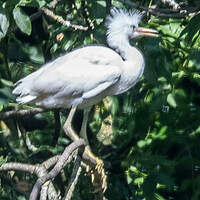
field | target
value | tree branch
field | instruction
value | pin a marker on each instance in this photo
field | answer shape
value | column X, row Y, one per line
column 60, row 20
column 18, row 166
column 43, row 185
column 86, row 14
column 21, row 113
column 50, row 14
column 172, row 3
column 57, row 168
column 39, row 170
column 163, row 13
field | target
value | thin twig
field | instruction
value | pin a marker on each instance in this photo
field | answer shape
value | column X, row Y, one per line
column 159, row 12
column 85, row 13
column 172, row 3
column 60, row 20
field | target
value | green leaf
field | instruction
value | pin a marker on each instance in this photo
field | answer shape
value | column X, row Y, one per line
column 129, row 179
column 6, row 82
column 3, row 160
column 4, row 23
column 139, row 181
column 21, row 198
column 159, row 197
column 192, row 32
column 34, row 53
column 5, row 95
column 22, row 20
column 192, row 28
column 27, row 3
column 171, row 100
column 41, row 3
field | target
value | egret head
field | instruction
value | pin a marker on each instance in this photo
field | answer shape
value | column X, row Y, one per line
column 123, row 25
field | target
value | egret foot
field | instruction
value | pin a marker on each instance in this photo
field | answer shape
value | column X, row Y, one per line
column 97, row 173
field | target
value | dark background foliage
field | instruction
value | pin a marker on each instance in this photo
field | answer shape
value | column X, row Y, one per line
column 152, row 150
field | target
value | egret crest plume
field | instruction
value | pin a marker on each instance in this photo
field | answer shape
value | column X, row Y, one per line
column 120, row 24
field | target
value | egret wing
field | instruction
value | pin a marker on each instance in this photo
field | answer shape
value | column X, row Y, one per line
column 84, row 73
column 76, row 79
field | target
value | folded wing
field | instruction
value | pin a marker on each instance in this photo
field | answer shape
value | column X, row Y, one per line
column 71, row 80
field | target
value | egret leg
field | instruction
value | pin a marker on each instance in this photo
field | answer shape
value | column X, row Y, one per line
column 83, row 132
column 98, row 176
column 68, row 125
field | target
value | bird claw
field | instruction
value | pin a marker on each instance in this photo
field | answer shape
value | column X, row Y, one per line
column 99, row 168
column 98, row 175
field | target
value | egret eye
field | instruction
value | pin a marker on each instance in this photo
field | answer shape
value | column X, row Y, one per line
column 133, row 27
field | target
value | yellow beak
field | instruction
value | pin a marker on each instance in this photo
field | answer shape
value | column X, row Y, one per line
column 147, row 32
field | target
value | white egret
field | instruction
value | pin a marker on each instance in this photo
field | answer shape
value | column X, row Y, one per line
column 86, row 75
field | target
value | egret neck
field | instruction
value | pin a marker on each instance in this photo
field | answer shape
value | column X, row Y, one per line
column 133, row 64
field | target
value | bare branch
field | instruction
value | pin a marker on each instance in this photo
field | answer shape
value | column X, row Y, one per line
column 172, row 3
column 39, row 170
column 21, row 113
column 53, row 16
column 85, row 13
column 52, row 193
column 44, row 191
column 65, row 155
column 51, row 161
column 57, row 168
column 164, row 13
column 18, row 166
column 60, row 20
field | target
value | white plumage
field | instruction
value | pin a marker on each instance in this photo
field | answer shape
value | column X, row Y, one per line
column 85, row 76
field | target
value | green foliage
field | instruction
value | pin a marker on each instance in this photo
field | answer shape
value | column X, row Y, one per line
column 154, row 151
column 4, row 23
column 2, row 160
column 22, row 20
